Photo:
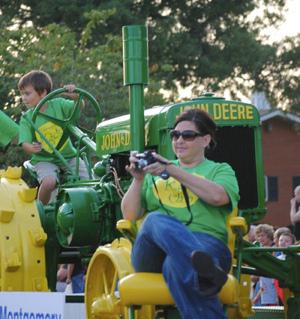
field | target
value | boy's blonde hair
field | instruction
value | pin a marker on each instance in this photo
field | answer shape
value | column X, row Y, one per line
column 265, row 228
column 39, row 80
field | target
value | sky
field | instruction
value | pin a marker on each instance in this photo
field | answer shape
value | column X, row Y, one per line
column 291, row 25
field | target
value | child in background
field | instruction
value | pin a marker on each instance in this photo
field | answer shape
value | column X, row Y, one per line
column 34, row 86
column 265, row 294
column 286, row 239
column 264, row 234
column 277, row 234
column 75, row 275
column 61, row 277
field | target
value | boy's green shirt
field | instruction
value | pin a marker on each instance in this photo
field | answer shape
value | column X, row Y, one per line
column 59, row 108
column 206, row 218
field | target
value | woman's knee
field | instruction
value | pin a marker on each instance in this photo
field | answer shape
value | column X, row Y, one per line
column 152, row 221
column 152, row 217
column 159, row 221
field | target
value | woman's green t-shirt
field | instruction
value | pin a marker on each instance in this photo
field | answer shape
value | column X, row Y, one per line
column 205, row 217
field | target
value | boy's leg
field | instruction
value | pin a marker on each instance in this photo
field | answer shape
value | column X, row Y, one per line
column 176, row 241
column 47, row 174
column 83, row 172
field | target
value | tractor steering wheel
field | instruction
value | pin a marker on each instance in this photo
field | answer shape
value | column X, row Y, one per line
column 64, row 124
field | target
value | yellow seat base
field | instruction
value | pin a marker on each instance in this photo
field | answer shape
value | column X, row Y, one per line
column 151, row 289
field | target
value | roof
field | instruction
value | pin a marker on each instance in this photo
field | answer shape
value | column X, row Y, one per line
column 270, row 114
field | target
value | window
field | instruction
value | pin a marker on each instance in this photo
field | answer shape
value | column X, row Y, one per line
column 271, row 188
column 296, row 182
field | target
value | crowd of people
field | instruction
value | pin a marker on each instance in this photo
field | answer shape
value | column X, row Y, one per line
column 266, row 291
column 71, row 278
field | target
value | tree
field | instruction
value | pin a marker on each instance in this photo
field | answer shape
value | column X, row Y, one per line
column 211, row 45
column 57, row 50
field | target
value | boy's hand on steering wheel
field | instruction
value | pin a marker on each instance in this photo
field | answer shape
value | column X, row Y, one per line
column 32, row 148
column 70, row 87
column 70, row 92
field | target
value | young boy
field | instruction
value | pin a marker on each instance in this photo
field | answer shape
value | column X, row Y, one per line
column 286, row 239
column 34, row 86
column 277, row 234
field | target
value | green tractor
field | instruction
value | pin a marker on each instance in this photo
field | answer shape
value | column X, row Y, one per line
column 85, row 223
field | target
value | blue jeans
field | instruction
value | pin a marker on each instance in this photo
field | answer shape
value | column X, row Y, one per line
column 78, row 283
column 165, row 245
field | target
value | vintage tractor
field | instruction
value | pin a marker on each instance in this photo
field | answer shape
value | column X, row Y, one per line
column 85, row 223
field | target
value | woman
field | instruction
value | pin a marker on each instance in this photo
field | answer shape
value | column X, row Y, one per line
column 184, row 234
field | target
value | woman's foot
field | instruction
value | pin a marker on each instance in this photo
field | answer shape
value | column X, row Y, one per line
column 211, row 277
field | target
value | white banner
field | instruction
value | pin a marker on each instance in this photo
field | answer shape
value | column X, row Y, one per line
column 32, row 305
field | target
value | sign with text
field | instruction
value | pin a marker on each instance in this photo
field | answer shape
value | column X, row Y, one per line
column 32, row 305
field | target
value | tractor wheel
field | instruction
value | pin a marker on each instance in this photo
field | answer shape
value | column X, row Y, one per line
column 108, row 265
column 22, row 238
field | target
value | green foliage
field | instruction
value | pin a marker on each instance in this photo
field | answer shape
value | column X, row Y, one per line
column 12, row 156
column 68, row 58
column 208, row 45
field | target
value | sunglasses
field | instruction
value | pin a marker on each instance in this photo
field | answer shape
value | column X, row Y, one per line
column 187, row 135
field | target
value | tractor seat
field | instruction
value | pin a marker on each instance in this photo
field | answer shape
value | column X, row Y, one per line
column 151, row 289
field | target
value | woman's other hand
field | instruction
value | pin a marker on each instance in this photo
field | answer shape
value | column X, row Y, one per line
column 158, row 167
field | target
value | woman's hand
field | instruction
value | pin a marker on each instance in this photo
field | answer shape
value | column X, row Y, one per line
column 131, row 202
column 158, row 167
column 131, row 168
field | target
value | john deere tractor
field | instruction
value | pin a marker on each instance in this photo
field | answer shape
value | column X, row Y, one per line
column 84, row 221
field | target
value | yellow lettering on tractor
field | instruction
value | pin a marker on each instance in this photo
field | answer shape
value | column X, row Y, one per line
column 204, row 107
column 241, row 112
column 249, row 113
column 217, row 111
column 225, row 111
column 233, row 112
column 115, row 140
